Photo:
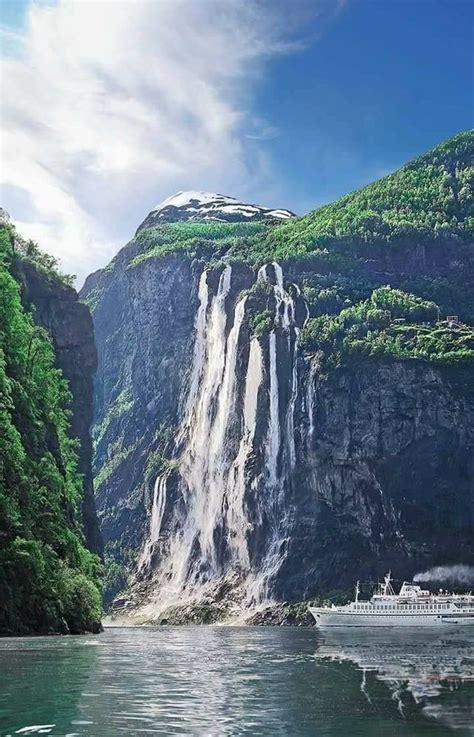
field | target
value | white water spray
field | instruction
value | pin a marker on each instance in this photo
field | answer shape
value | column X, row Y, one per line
column 157, row 512
column 209, row 530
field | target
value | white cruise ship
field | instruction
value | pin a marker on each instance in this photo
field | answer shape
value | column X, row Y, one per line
column 411, row 607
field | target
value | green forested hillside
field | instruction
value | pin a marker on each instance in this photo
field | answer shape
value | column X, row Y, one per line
column 389, row 323
column 48, row 579
column 427, row 200
column 411, row 231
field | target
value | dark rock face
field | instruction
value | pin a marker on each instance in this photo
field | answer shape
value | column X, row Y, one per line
column 143, row 325
column 69, row 323
column 385, row 475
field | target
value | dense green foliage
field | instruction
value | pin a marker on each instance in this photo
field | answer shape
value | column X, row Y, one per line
column 28, row 250
column 429, row 198
column 390, row 323
column 48, row 579
column 261, row 323
column 198, row 239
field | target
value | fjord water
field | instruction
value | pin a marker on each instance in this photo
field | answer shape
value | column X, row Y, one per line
column 238, row 681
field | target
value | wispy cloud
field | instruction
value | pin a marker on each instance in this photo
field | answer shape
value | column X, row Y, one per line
column 113, row 105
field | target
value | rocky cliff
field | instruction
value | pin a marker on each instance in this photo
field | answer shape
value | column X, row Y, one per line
column 271, row 419
column 57, row 309
column 385, row 473
column 49, row 537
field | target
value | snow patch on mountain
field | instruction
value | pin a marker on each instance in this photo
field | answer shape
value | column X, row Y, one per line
column 200, row 205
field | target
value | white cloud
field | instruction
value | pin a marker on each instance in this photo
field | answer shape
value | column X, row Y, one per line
column 111, row 106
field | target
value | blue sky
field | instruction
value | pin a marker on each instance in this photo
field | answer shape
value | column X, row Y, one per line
column 285, row 104
column 386, row 81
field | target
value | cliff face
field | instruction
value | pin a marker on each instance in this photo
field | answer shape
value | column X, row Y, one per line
column 69, row 323
column 235, row 464
column 385, row 473
column 143, row 323
column 49, row 572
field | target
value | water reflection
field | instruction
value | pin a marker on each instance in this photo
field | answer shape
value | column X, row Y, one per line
column 433, row 670
column 232, row 681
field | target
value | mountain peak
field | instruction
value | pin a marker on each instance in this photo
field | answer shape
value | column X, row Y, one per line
column 200, row 205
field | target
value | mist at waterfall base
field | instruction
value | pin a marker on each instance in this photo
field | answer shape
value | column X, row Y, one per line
column 209, row 506
column 456, row 574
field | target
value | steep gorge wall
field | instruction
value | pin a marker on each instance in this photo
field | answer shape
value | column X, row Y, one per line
column 69, row 323
column 143, row 321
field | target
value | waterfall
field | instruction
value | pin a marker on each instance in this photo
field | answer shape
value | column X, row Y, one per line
column 280, row 442
column 224, row 496
column 157, row 512
column 273, row 447
column 199, row 346
column 290, row 418
column 311, row 401
column 159, row 501
column 238, row 522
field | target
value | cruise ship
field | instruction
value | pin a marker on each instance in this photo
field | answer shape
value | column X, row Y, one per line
column 411, row 607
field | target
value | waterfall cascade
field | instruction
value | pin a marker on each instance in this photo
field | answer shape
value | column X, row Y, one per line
column 234, row 452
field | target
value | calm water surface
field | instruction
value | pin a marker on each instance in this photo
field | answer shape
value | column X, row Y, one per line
column 238, row 681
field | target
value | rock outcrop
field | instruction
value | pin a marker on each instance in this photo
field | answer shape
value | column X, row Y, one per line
column 56, row 308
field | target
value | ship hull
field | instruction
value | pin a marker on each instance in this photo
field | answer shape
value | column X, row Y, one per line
column 329, row 618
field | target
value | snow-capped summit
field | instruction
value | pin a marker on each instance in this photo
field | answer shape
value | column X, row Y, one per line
column 194, row 205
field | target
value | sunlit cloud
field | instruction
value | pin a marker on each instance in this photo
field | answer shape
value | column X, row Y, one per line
column 112, row 106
